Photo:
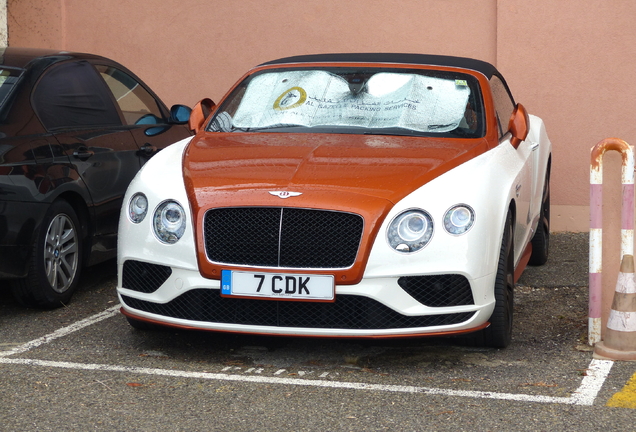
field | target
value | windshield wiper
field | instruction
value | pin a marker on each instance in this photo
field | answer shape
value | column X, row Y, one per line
column 271, row 127
column 439, row 126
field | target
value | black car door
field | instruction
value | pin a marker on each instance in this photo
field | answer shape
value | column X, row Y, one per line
column 74, row 103
column 145, row 115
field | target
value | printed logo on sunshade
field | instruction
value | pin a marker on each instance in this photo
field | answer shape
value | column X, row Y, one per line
column 292, row 98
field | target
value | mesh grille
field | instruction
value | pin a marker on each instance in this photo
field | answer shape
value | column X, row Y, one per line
column 144, row 277
column 438, row 290
column 282, row 237
column 347, row 312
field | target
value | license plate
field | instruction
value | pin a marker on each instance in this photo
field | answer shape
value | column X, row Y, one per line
column 277, row 286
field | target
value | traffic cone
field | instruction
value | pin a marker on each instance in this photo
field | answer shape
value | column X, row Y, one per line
column 619, row 342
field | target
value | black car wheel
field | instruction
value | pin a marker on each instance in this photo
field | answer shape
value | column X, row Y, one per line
column 541, row 239
column 499, row 333
column 56, row 260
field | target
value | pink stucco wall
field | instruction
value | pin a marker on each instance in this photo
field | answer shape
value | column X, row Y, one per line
column 187, row 49
column 573, row 66
column 567, row 64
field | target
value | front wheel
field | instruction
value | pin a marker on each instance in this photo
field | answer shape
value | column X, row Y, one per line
column 499, row 333
column 56, row 260
column 541, row 239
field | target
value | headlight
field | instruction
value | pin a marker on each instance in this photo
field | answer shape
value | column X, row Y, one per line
column 410, row 231
column 169, row 222
column 459, row 219
column 137, row 207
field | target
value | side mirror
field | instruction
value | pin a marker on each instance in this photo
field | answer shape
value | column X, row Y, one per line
column 200, row 112
column 179, row 114
column 519, row 125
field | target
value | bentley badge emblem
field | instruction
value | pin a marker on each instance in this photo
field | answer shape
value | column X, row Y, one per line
column 285, row 194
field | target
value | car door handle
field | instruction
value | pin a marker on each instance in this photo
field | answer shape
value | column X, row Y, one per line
column 83, row 153
column 148, row 149
column 534, row 146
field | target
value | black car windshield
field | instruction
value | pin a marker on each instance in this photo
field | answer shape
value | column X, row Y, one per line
column 8, row 78
column 346, row 100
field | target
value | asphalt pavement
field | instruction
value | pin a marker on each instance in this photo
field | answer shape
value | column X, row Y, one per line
column 82, row 367
column 567, row 265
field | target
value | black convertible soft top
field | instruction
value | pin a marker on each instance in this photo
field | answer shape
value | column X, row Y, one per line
column 419, row 59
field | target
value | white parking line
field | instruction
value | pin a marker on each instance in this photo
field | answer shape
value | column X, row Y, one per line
column 62, row 332
column 585, row 395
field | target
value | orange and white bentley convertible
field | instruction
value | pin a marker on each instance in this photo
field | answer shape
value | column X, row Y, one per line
column 342, row 195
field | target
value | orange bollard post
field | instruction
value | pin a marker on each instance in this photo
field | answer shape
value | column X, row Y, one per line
column 620, row 338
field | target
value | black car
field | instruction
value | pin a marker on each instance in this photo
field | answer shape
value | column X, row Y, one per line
column 74, row 130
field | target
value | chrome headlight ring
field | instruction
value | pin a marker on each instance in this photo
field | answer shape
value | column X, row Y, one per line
column 459, row 219
column 410, row 231
column 169, row 222
column 137, row 208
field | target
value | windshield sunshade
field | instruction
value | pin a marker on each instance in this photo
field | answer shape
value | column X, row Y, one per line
column 360, row 99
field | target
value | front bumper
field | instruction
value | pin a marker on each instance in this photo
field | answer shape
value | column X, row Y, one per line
column 376, row 307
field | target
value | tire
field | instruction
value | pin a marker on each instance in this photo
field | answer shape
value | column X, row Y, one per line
column 541, row 239
column 499, row 333
column 56, row 260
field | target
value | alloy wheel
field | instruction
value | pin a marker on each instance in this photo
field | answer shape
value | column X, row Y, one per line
column 61, row 253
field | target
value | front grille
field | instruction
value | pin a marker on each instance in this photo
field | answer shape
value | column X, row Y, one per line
column 282, row 237
column 438, row 290
column 347, row 312
column 144, row 277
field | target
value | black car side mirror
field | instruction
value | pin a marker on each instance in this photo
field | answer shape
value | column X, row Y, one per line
column 179, row 114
